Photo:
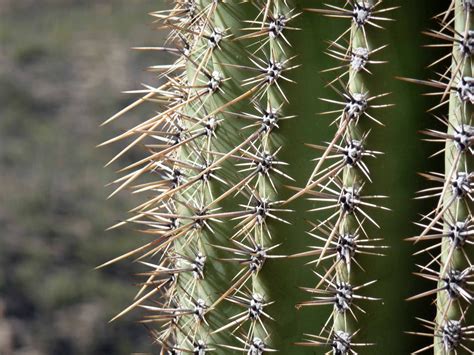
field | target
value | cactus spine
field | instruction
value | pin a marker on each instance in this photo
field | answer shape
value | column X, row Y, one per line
column 341, row 182
column 450, row 223
column 212, row 157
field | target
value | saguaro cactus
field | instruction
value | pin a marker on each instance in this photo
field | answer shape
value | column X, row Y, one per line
column 449, row 224
column 343, row 236
column 214, row 183
column 212, row 157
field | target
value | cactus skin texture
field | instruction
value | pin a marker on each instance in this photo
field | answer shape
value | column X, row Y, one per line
column 213, row 177
column 448, row 227
column 339, row 178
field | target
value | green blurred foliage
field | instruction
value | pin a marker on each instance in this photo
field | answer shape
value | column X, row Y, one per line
column 63, row 64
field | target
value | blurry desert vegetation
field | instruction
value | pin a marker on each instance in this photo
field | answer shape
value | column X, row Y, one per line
column 63, row 64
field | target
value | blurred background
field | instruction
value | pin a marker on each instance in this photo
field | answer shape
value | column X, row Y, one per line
column 63, row 65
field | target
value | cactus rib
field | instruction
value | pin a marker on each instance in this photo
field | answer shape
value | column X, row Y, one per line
column 340, row 177
column 449, row 224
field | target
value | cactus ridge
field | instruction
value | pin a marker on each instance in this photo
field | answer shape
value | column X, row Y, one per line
column 211, row 174
column 448, row 227
column 340, row 177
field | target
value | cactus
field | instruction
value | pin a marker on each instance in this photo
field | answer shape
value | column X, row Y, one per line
column 448, row 227
column 212, row 157
column 216, row 188
column 339, row 178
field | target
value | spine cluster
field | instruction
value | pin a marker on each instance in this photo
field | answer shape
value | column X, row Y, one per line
column 448, row 228
column 340, row 178
column 212, row 176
